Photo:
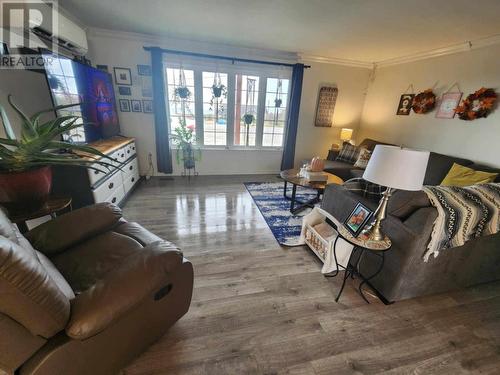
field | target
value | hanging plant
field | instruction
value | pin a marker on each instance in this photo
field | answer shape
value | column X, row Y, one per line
column 277, row 102
column 248, row 118
column 218, row 92
column 477, row 105
column 424, row 102
column 182, row 92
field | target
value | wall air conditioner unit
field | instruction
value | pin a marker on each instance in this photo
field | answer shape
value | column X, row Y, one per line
column 67, row 35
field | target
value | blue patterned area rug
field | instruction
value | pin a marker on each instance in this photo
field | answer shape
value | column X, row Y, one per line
column 268, row 196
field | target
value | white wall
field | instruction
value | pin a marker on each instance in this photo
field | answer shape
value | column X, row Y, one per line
column 352, row 83
column 126, row 50
column 477, row 140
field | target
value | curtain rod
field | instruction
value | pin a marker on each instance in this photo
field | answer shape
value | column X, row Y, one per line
column 233, row 59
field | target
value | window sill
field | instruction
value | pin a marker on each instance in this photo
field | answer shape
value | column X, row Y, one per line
column 221, row 148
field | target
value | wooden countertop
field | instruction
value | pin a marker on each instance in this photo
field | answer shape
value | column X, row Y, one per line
column 107, row 146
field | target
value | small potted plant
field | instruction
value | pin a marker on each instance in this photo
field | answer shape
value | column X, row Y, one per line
column 25, row 163
column 185, row 140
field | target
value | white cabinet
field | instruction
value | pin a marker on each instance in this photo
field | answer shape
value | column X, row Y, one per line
column 100, row 184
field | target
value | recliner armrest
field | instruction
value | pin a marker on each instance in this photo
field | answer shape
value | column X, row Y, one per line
column 73, row 227
column 109, row 299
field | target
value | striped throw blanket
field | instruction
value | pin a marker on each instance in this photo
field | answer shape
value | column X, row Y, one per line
column 464, row 213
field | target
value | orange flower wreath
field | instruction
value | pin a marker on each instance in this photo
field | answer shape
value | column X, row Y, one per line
column 477, row 105
column 424, row 102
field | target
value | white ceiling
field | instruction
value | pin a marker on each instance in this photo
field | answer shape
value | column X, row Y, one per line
column 363, row 30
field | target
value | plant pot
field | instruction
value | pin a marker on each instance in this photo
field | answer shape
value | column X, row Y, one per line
column 217, row 91
column 248, row 119
column 25, row 191
column 182, row 92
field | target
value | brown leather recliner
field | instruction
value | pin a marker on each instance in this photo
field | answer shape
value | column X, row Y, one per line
column 86, row 292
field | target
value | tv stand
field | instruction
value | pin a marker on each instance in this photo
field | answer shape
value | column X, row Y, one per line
column 87, row 186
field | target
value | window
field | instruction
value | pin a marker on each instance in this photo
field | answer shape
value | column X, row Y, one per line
column 245, row 109
column 177, row 106
column 62, row 81
column 230, row 105
column 275, row 112
column 214, row 108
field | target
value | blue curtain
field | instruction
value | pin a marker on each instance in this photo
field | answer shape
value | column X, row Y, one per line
column 163, row 153
column 292, row 121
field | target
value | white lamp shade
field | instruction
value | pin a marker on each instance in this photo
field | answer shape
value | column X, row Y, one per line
column 397, row 168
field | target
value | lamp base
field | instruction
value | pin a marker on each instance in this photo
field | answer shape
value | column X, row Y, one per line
column 374, row 231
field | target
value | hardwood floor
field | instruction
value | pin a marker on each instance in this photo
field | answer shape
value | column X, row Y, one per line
column 259, row 308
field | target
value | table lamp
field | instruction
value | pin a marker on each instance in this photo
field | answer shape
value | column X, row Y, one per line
column 396, row 168
column 345, row 135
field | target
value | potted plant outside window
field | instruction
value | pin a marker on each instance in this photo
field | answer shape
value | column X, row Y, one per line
column 25, row 163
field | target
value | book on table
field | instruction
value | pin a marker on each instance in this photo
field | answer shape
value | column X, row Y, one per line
column 316, row 176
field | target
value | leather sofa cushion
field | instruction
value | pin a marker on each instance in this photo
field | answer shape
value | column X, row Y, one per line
column 30, row 296
column 74, row 227
column 439, row 165
column 339, row 168
column 87, row 263
column 56, row 275
column 137, row 232
column 143, row 274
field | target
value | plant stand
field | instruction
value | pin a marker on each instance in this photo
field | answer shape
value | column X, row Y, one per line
column 189, row 163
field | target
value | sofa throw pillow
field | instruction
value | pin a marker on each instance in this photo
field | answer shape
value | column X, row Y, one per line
column 348, row 154
column 463, row 176
column 363, row 158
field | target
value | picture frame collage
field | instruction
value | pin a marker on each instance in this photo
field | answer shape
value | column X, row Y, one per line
column 125, row 82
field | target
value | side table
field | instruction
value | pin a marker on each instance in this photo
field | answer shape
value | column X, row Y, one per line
column 51, row 207
column 361, row 245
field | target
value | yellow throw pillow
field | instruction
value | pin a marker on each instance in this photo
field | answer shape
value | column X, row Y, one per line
column 463, row 176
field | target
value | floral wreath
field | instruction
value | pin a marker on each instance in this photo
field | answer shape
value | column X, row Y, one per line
column 477, row 105
column 424, row 102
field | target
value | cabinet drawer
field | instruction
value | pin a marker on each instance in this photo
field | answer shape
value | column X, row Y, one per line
column 130, row 180
column 130, row 150
column 116, row 196
column 130, row 167
column 104, row 190
column 95, row 176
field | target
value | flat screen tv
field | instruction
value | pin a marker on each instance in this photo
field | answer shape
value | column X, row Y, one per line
column 91, row 89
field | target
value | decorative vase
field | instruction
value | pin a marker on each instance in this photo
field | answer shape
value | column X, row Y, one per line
column 26, row 190
column 317, row 164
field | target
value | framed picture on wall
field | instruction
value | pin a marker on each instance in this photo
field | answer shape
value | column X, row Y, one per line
column 327, row 97
column 124, row 105
column 404, row 106
column 447, row 105
column 124, row 90
column 147, row 106
column 123, row 76
column 144, row 70
column 136, row 105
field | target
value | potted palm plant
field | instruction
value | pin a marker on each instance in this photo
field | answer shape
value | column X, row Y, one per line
column 185, row 140
column 25, row 163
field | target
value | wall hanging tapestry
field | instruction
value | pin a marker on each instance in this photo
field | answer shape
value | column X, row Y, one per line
column 424, row 102
column 327, row 98
column 477, row 105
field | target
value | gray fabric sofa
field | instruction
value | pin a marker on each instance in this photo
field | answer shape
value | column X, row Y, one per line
column 409, row 225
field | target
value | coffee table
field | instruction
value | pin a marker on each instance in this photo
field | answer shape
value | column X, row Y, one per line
column 291, row 176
